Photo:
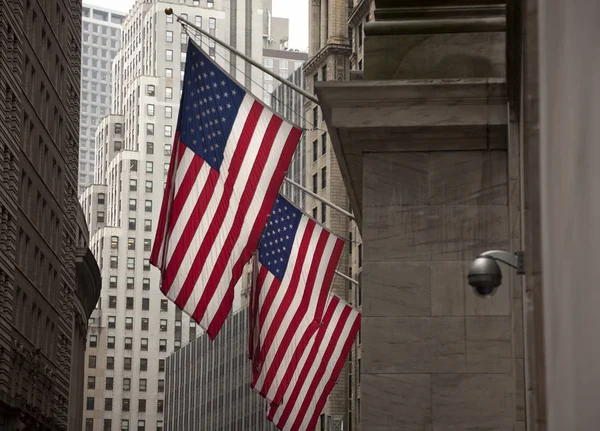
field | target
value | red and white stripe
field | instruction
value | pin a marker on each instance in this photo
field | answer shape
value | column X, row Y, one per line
column 314, row 376
column 213, row 220
column 290, row 310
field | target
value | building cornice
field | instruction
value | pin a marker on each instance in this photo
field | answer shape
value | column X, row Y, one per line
column 359, row 12
column 328, row 50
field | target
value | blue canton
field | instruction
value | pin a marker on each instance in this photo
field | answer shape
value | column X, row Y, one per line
column 277, row 237
column 210, row 103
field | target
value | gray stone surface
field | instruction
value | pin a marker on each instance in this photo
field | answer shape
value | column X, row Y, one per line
column 489, row 348
column 396, row 402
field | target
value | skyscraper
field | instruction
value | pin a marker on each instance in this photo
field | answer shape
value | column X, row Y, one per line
column 100, row 35
column 49, row 280
column 135, row 327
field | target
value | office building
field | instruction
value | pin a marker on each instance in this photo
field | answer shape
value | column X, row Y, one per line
column 49, row 280
column 100, row 36
column 290, row 104
column 208, row 383
column 135, row 327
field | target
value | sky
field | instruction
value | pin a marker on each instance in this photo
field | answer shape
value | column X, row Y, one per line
column 295, row 10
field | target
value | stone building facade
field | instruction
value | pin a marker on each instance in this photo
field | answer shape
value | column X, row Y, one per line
column 429, row 142
column 49, row 280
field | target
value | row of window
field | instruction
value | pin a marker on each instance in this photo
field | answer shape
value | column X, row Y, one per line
column 316, row 145
column 110, row 365
column 323, row 180
column 315, row 213
column 131, row 242
column 168, row 130
column 114, row 260
column 107, row 425
column 164, row 305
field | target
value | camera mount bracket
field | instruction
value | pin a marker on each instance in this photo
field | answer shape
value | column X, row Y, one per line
column 514, row 260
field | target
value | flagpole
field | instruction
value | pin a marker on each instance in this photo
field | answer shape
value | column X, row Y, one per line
column 316, row 196
column 169, row 11
column 347, row 277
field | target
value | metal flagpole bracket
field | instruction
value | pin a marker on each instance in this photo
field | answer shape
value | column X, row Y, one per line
column 347, row 277
column 312, row 98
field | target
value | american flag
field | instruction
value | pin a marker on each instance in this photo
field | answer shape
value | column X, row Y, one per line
column 318, row 369
column 229, row 160
column 296, row 263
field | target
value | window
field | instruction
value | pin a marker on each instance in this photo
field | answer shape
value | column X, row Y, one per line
column 182, row 57
column 169, row 36
column 149, row 187
column 315, row 150
column 132, row 223
column 168, row 92
column 127, row 386
column 323, row 212
column 315, row 80
column 209, row 4
column 112, row 322
column 150, row 109
column 161, row 365
column 324, row 177
column 162, row 345
column 315, row 181
column 133, row 164
column 149, row 147
column 149, row 129
column 131, row 263
column 315, row 213
column 144, row 344
column 149, row 167
column 268, row 62
column 164, row 305
column 118, row 128
column 169, row 72
column 146, row 283
column 132, row 204
column 168, row 130
column 198, row 21
column 91, row 382
column 145, row 322
column 324, row 73
column 130, row 243
column 110, row 363
column 169, row 55
column 108, row 385
column 101, row 198
column 168, row 111
column 93, row 341
column 89, row 424
column 100, row 216
column 150, row 90
column 117, row 145
column 315, row 116
column 147, row 244
column 91, row 361
column 324, row 143
column 108, row 404
column 142, row 405
column 143, row 383
column 107, row 425
column 112, row 302
column 169, row 19
column 161, row 385
column 112, row 282
column 145, row 303
column 183, row 38
column 159, row 424
column 360, row 255
column 133, row 185
column 159, row 406
column 130, row 283
column 163, row 325
column 114, row 242
column 360, row 35
column 129, row 303
column 125, row 403
column 143, row 364
column 125, row 422
column 110, row 342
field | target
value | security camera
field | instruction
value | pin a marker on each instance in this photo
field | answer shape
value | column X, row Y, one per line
column 485, row 275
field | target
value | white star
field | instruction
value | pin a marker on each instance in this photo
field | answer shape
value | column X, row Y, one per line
column 233, row 92
column 205, row 75
column 283, row 248
column 223, row 83
column 226, row 94
column 281, row 259
column 212, row 73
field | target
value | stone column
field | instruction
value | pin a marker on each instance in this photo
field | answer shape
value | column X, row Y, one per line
column 324, row 22
column 314, row 24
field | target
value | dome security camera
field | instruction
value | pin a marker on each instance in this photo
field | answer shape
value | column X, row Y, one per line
column 485, row 275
